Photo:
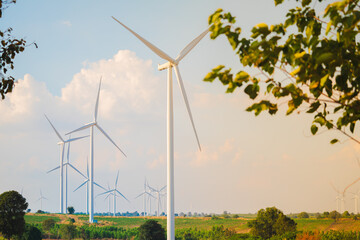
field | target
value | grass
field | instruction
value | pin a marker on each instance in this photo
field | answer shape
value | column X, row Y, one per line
column 39, row 218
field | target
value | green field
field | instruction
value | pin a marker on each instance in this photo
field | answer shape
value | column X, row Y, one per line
column 39, row 218
column 239, row 225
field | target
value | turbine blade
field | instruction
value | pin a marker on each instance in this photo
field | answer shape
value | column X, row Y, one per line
column 181, row 85
column 190, row 46
column 53, row 169
column 97, row 102
column 152, row 189
column 117, row 178
column 81, row 185
column 101, row 130
column 150, row 195
column 80, row 128
column 57, row 133
column 100, row 186
column 140, row 194
column 74, row 139
column 107, row 196
column 77, row 170
column 122, row 195
column 156, row 50
column 162, row 188
column 104, row 193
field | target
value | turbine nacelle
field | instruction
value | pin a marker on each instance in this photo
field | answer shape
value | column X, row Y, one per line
column 165, row 66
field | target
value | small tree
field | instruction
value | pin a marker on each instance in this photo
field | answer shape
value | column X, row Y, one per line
column 12, row 211
column 67, row 231
column 71, row 210
column 345, row 214
column 271, row 222
column 334, row 215
column 48, row 224
column 151, row 230
column 326, row 214
column 303, row 215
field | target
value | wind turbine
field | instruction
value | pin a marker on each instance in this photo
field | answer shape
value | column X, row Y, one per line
column 86, row 181
column 62, row 147
column 91, row 126
column 356, row 200
column 66, row 165
column 158, row 197
column 172, row 63
column 113, row 192
column 41, row 198
column 339, row 198
column 145, row 193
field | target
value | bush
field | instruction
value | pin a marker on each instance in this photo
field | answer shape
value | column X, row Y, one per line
column 303, row 215
column 151, row 230
column 31, row 233
column 48, row 224
column 67, row 231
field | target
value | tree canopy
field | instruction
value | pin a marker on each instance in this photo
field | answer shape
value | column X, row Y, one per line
column 12, row 211
column 151, row 229
column 270, row 222
column 10, row 47
column 310, row 61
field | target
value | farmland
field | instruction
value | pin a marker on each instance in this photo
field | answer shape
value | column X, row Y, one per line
column 237, row 224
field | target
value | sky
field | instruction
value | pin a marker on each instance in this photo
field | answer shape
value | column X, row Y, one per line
column 246, row 163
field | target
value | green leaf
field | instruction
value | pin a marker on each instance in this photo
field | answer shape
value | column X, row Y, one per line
column 314, row 129
column 323, row 80
column 305, row 2
column 313, row 107
column 325, row 57
column 252, row 90
column 352, row 127
column 241, row 77
column 277, row 2
column 334, row 141
column 320, row 120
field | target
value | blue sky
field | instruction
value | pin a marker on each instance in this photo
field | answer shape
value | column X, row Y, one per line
column 247, row 162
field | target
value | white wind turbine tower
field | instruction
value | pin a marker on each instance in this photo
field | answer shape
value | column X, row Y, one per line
column 41, row 198
column 146, row 195
column 113, row 192
column 91, row 175
column 86, row 181
column 62, row 147
column 172, row 63
column 340, row 198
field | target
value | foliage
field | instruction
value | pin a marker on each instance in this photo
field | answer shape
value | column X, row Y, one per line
column 31, row 233
column 217, row 232
column 326, row 214
column 334, row 215
column 67, row 231
column 271, row 222
column 12, row 211
column 10, row 47
column 340, row 235
column 345, row 214
column 71, row 210
column 151, row 229
column 318, row 57
column 303, row 215
column 71, row 220
column 48, row 224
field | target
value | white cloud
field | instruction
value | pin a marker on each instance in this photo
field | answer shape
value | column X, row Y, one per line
column 66, row 23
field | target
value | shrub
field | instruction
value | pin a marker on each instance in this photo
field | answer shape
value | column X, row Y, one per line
column 151, row 230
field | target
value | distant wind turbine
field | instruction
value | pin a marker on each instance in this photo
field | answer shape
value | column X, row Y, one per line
column 146, row 195
column 91, row 175
column 86, row 181
column 159, row 194
column 114, row 192
column 356, row 201
column 172, row 63
column 40, row 199
column 62, row 147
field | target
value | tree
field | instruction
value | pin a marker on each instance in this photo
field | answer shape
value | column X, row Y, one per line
column 303, row 215
column 31, row 233
column 271, row 222
column 67, row 231
column 48, row 224
column 151, row 230
column 71, row 210
column 318, row 57
column 12, row 211
column 10, row 47
column 334, row 215
column 345, row 214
